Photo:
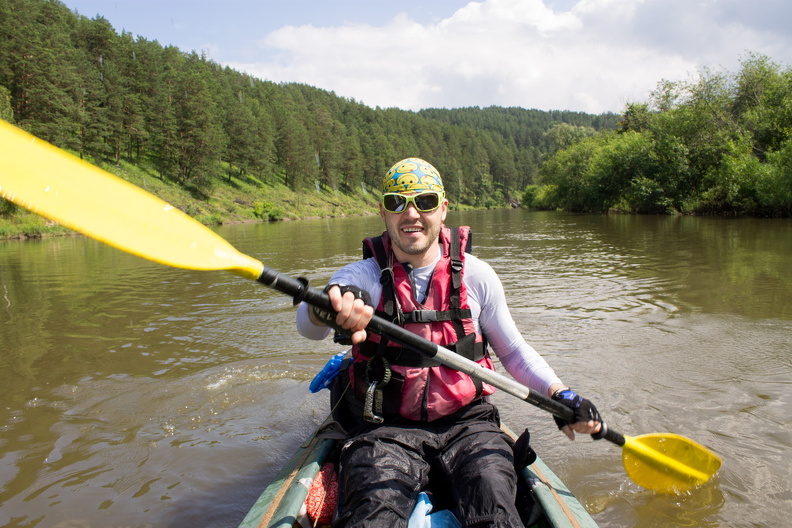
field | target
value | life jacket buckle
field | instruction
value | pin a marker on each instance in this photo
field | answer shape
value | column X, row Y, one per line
column 421, row 316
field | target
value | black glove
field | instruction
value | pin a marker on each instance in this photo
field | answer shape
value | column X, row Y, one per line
column 584, row 409
column 328, row 316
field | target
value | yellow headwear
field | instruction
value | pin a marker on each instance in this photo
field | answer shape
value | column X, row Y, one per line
column 412, row 175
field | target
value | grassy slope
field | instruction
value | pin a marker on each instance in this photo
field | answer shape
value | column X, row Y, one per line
column 227, row 202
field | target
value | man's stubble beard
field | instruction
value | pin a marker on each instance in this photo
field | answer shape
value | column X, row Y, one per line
column 431, row 230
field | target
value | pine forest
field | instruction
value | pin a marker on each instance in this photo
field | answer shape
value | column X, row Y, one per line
column 223, row 145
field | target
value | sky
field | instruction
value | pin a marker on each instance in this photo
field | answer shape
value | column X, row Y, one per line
column 582, row 55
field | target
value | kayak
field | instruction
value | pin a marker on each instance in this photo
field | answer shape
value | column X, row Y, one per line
column 287, row 501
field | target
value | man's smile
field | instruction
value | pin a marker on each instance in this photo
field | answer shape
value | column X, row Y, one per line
column 412, row 229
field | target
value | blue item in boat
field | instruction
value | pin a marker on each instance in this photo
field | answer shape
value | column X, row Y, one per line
column 325, row 376
column 423, row 517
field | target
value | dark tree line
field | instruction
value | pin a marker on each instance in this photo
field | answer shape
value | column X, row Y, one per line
column 79, row 84
column 720, row 144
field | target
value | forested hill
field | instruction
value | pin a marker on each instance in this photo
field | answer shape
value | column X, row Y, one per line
column 117, row 99
column 527, row 128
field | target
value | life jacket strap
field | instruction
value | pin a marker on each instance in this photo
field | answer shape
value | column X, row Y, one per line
column 466, row 347
column 378, row 374
column 392, row 311
column 433, row 316
column 455, row 254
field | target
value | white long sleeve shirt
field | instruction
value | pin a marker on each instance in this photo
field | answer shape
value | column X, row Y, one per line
column 487, row 301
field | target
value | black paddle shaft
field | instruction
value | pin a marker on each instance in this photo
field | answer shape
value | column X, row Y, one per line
column 300, row 291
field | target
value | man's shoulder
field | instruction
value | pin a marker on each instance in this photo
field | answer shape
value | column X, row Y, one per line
column 480, row 278
column 474, row 265
column 367, row 267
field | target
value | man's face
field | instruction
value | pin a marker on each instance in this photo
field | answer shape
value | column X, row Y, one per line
column 412, row 232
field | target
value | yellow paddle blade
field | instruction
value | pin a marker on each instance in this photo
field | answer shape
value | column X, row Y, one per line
column 667, row 462
column 51, row 182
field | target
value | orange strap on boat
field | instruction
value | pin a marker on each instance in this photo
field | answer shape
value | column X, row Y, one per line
column 323, row 496
column 267, row 517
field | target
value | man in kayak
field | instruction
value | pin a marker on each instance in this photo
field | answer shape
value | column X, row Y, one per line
column 407, row 415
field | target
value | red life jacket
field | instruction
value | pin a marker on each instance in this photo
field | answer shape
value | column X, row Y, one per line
column 413, row 386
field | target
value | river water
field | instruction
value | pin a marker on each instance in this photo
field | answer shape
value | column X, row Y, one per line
column 135, row 395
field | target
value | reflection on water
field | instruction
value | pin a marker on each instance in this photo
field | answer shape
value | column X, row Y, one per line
column 139, row 395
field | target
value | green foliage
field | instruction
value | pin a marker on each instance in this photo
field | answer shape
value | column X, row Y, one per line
column 6, row 112
column 563, row 135
column 637, row 118
column 716, row 145
column 268, row 212
column 212, row 219
column 529, row 196
column 541, row 197
column 647, row 196
column 733, row 185
column 568, row 174
column 719, row 144
column 18, row 223
column 775, row 190
column 117, row 98
column 7, row 208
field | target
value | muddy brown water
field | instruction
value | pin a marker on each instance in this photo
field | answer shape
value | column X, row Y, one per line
column 136, row 395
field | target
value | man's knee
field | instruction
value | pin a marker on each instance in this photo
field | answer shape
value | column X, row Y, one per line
column 485, row 481
column 379, row 482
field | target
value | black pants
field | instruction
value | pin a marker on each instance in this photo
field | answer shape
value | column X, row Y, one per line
column 383, row 468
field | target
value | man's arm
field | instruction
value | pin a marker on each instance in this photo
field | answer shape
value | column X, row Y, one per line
column 487, row 297
column 352, row 312
column 519, row 358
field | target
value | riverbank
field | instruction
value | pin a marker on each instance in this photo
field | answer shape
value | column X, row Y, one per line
column 230, row 200
column 227, row 199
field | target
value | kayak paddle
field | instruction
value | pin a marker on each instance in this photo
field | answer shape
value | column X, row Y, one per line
column 52, row 183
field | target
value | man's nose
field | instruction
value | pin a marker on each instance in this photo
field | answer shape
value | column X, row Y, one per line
column 411, row 211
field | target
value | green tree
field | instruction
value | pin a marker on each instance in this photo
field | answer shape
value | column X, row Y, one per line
column 637, row 118
column 563, row 135
column 161, row 119
column 294, row 152
column 199, row 139
column 567, row 173
column 44, row 72
column 100, row 90
column 250, row 148
column 328, row 135
column 6, row 112
column 762, row 103
column 775, row 188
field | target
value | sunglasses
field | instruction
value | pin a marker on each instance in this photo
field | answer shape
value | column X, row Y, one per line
column 423, row 202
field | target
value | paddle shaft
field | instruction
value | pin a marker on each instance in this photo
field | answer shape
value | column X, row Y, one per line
column 301, row 291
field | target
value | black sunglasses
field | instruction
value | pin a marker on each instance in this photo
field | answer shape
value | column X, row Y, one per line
column 423, row 202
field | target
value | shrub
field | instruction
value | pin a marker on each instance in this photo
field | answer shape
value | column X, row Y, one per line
column 268, row 212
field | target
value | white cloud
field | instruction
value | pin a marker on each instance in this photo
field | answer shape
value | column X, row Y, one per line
column 594, row 57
